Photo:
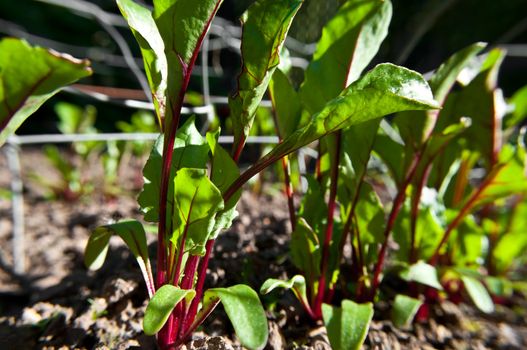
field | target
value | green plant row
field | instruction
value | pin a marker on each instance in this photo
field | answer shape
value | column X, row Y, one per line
column 445, row 181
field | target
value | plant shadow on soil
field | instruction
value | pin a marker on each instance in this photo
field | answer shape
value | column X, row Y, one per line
column 59, row 304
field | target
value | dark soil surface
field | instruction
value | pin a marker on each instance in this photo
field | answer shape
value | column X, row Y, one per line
column 58, row 304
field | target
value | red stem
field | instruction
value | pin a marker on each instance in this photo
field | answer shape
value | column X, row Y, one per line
column 396, row 208
column 329, row 228
column 288, row 188
column 199, row 286
column 467, row 207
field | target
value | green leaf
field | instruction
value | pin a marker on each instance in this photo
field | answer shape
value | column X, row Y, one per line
column 265, row 27
column 133, row 234
column 196, row 202
column 182, row 25
column 447, row 73
column 130, row 231
column 512, row 243
column 384, row 90
column 348, row 325
column 348, row 44
column 245, row 311
column 297, row 283
column 147, row 34
column 519, row 101
column 286, row 104
column 190, row 151
column 404, row 309
column 223, row 172
column 478, row 293
column 28, row 77
column 415, row 127
column 305, row 250
column 161, row 306
column 423, row 273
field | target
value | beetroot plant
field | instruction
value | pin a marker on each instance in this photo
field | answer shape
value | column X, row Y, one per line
column 192, row 184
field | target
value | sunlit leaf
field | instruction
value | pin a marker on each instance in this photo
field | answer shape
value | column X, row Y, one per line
column 404, row 309
column 478, row 293
column 265, row 27
column 29, row 76
column 349, row 42
column 245, row 312
column 196, row 202
column 348, row 325
column 161, row 306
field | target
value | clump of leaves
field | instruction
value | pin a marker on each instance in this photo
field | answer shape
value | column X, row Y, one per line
column 192, row 184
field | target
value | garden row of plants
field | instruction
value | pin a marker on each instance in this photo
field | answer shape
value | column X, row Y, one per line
column 432, row 196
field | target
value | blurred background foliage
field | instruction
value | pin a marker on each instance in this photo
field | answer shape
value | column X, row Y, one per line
column 422, row 34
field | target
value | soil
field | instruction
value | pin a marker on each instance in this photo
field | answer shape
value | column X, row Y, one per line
column 58, row 304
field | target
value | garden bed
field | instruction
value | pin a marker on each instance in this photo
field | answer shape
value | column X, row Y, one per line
column 60, row 304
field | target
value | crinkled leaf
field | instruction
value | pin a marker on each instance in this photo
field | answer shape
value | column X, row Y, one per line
column 348, row 325
column 404, row 309
column 161, row 306
column 265, row 27
column 384, row 90
column 196, row 202
column 243, row 307
column 190, row 151
column 348, row 43
column 478, row 293
column 286, row 104
column 297, row 283
column 28, row 77
column 423, row 273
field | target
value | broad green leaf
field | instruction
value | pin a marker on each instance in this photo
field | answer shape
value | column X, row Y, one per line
column 369, row 218
column 222, row 173
column 265, row 27
column 416, row 127
column 348, row 325
column 404, row 309
column 196, row 202
column 146, row 33
column 506, row 178
column 423, row 273
column 348, row 43
column 243, row 307
column 392, row 155
column 286, row 104
column 28, row 77
column 510, row 247
column 447, row 73
column 306, row 250
column 468, row 243
column 133, row 234
column 297, row 283
column 499, row 286
column 384, row 90
column 182, row 25
column 130, row 231
column 519, row 103
column 161, row 306
column 190, row 151
column 478, row 293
